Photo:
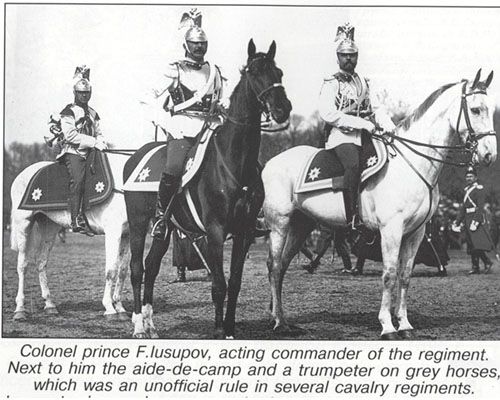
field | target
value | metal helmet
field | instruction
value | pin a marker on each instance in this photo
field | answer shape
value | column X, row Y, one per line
column 347, row 47
column 195, row 34
column 82, row 85
column 345, row 33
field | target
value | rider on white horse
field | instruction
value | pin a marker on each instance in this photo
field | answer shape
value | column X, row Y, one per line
column 345, row 106
column 81, row 133
column 187, row 93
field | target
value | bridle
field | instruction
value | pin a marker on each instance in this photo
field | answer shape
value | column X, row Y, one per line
column 469, row 147
column 472, row 137
column 259, row 94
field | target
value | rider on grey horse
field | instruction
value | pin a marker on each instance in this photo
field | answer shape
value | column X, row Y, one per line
column 345, row 106
column 81, row 133
column 188, row 93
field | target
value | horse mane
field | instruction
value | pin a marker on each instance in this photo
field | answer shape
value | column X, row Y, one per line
column 422, row 108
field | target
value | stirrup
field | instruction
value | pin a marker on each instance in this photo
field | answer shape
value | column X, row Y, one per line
column 83, row 226
column 359, row 230
column 159, row 232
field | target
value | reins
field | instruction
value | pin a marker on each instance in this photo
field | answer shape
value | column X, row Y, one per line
column 470, row 147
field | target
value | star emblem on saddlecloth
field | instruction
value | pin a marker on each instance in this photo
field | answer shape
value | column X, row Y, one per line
column 371, row 161
column 144, row 174
column 99, row 187
column 37, row 194
column 189, row 164
column 314, row 173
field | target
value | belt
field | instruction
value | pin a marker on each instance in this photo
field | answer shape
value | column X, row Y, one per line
column 470, row 210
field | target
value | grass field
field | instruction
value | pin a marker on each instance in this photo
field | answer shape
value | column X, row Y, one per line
column 327, row 305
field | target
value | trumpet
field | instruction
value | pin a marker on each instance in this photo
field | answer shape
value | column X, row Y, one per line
column 55, row 129
column 49, row 141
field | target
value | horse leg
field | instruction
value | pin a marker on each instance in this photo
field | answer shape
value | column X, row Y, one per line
column 241, row 244
column 22, row 241
column 286, row 239
column 391, row 235
column 48, row 234
column 115, row 249
column 300, row 227
column 215, row 245
column 152, row 265
column 122, row 274
column 409, row 248
column 138, row 225
column 112, row 245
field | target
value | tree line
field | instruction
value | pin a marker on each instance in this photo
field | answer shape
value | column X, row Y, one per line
column 301, row 131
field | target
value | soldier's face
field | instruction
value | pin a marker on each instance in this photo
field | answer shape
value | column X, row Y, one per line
column 82, row 97
column 347, row 61
column 470, row 179
column 197, row 49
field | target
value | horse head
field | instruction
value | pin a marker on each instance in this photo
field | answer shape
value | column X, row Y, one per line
column 474, row 123
column 264, row 78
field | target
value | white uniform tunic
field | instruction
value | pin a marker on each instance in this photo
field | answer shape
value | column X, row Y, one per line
column 344, row 103
column 192, row 76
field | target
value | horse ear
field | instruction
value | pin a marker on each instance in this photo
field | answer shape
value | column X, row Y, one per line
column 272, row 51
column 476, row 79
column 251, row 48
column 488, row 79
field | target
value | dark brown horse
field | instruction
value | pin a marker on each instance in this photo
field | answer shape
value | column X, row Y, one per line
column 227, row 192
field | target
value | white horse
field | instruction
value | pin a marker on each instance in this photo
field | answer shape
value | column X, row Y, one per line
column 398, row 201
column 33, row 234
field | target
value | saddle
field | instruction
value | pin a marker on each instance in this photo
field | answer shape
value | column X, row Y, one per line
column 324, row 171
column 48, row 189
column 147, row 164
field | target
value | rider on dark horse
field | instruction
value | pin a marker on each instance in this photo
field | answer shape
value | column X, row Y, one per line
column 188, row 91
column 345, row 106
column 80, row 134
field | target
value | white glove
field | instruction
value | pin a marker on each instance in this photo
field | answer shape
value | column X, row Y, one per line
column 369, row 126
column 100, row 145
column 455, row 227
column 473, row 226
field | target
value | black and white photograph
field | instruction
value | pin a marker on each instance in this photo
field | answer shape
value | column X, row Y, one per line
column 280, row 174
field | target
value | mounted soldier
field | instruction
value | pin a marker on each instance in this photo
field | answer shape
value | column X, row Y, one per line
column 80, row 134
column 472, row 219
column 346, row 109
column 188, row 93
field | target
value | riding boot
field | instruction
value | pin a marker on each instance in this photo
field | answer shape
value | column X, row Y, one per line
column 83, row 224
column 74, row 208
column 169, row 185
column 475, row 264
column 487, row 262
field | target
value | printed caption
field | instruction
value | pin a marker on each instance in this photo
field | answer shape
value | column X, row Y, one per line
column 273, row 369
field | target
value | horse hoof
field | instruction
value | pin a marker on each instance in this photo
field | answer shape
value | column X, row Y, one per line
column 140, row 335
column 20, row 316
column 51, row 311
column 123, row 316
column 406, row 334
column 219, row 334
column 390, row 336
column 111, row 317
column 153, row 334
column 229, row 337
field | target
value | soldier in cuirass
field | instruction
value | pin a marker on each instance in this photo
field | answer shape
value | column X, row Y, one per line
column 81, row 134
column 188, row 93
column 346, row 109
column 473, row 220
